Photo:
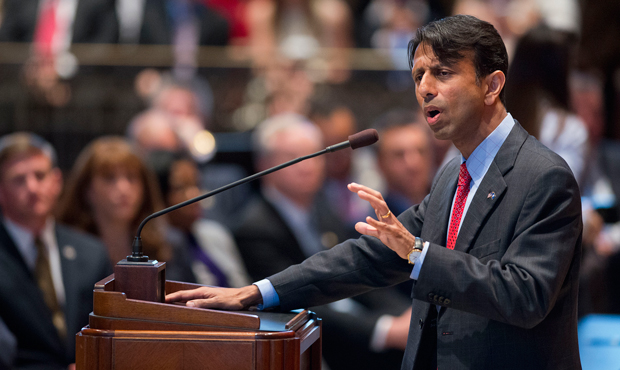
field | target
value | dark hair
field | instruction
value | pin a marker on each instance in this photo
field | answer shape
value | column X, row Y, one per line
column 99, row 158
column 539, row 71
column 450, row 37
column 161, row 162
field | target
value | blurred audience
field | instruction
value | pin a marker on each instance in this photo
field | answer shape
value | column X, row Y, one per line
column 170, row 22
column 296, row 29
column 47, row 270
column 285, row 87
column 599, row 52
column 289, row 221
column 109, row 192
column 185, row 100
column 396, row 23
column 599, row 280
column 153, row 130
column 406, row 158
column 538, row 94
column 176, row 123
column 53, row 26
column 514, row 18
column 204, row 245
column 184, row 24
column 337, row 122
column 234, row 12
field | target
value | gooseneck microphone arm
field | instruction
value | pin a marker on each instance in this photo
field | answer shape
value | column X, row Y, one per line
column 358, row 140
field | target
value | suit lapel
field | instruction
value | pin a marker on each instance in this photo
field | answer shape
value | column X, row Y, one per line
column 16, row 269
column 487, row 196
column 69, row 273
column 291, row 247
column 491, row 188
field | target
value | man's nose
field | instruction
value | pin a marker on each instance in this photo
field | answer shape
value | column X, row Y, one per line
column 427, row 88
column 32, row 183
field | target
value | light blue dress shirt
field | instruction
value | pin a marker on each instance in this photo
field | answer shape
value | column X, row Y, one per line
column 477, row 164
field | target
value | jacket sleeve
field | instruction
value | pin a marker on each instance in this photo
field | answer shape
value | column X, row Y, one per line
column 348, row 269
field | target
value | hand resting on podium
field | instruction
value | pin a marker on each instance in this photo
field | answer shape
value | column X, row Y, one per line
column 232, row 299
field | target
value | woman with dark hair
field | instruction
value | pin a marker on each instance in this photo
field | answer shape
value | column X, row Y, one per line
column 537, row 92
column 109, row 192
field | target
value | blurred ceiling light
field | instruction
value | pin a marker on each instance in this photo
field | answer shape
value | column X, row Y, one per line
column 203, row 146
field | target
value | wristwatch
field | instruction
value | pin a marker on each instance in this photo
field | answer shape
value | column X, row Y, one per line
column 416, row 251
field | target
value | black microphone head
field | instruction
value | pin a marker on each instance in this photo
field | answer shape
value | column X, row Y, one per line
column 364, row 138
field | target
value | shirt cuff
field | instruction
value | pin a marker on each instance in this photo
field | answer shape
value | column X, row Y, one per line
column 418, row 264
column 379, row 335
column 270, row 296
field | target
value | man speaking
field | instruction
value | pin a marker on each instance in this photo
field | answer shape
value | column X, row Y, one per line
column 494, row 248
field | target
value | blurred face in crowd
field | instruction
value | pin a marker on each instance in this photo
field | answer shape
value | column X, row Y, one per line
column 301, row 181
column 179, row 102
column 336, row 128
column 29, row 188
column 155, row 130
column 405, row 159
column 116, row 194
column 183, row 186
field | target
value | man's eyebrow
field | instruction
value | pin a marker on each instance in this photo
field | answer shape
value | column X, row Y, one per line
column 435, row 66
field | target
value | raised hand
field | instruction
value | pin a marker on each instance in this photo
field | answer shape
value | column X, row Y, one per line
column 386, row 227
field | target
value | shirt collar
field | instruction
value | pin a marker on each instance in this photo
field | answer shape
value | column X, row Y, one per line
column 24, row 239
column 480, row 160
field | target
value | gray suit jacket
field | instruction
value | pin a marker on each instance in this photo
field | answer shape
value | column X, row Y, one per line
column 508, row 290
column 84, row 261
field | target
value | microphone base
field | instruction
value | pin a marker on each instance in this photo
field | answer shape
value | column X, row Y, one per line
column 145, row 281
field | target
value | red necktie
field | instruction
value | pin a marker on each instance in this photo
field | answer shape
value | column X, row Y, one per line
column 459, row 205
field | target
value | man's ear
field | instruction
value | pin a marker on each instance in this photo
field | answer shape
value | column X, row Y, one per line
column 495, row 83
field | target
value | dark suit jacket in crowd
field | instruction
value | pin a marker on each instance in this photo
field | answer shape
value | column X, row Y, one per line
column 157, row 25
column 95, row 21
column 268, row 245
column 24, row 311
column 508, row 290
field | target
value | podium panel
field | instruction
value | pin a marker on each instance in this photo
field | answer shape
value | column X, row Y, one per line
column 133, row 334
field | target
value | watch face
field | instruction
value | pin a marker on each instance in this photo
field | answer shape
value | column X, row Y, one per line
column 413, row 256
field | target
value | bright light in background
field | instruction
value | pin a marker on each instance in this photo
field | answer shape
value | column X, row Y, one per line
column 203, row 146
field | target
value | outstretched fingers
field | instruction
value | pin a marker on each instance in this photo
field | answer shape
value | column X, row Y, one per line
column 185, row 295
column 374, row 198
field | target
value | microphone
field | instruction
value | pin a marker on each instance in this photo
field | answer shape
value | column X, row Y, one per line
column 358, row 140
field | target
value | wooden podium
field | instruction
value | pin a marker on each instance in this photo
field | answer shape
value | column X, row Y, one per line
column 137, row 330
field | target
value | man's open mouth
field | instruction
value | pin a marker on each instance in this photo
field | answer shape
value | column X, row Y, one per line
column 433, row 113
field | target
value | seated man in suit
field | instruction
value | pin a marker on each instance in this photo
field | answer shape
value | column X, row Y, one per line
column 405, row 157
column 47, row 271
column 494, row 248
column 291, row 221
